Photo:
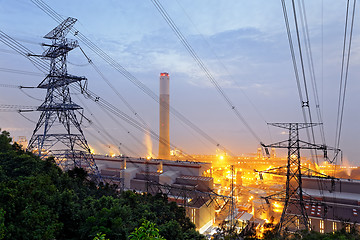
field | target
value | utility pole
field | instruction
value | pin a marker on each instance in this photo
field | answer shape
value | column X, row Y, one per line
column 294, row 212
column 232, row 203
column 58, row 132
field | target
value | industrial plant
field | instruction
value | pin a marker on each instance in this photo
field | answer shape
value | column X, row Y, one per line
column 285, row 186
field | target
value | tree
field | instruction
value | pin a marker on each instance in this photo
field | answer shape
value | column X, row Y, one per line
column 40, row 201
column 2, row 224
column 225, row 231
column 100, row 236
column 5, row 141
column 147, row 231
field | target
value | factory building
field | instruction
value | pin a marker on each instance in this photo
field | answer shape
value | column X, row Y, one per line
column 184, row 182
column 202, row 213
column 331, row 204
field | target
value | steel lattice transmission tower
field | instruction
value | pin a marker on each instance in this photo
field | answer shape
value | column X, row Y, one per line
column 58, row 132
column 294, row 213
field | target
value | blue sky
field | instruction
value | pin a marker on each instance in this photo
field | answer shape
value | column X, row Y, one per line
column 243, row 43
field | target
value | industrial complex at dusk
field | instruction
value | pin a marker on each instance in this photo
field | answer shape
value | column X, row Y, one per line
column 233, row 175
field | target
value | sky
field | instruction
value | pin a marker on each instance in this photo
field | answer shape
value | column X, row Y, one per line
column 242, row 43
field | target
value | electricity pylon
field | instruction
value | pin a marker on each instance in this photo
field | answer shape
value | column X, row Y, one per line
column 294, row 212
column 58, row 132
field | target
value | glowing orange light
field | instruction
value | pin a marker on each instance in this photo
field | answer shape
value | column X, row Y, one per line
column 92, row 151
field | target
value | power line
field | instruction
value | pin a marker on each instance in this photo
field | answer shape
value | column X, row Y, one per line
column 115, row 111
column 25, row 52
column 103, row 128
column 127, row 104
column 21, row 72
column 40, row 63
column 302, row 84
column 344, row 72
column 305, row 103
column 114, row 89
column 9, row 86
column 222, row 64
column 128, row 132
column 32, row 121
column 38, row 74
column 16, row 108
column 37, row 99
column 202, row 66
column 96, row 99
column 50, row 12
column 293, row 57
column 310, row 62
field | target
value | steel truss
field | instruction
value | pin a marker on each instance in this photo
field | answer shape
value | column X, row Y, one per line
column 186, row 193
column 58, row 132
column 294, row 196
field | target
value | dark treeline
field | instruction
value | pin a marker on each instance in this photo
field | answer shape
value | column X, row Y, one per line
column 342, row 234
column 39, row 201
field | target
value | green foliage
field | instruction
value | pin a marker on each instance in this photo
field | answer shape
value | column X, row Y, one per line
column 5, row 141
column 100, row 236
column 2, row 224
column 227, row 232
column 147, row 231
column 39, row 201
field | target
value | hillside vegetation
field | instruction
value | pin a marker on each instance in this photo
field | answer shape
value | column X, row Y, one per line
column 39, row 201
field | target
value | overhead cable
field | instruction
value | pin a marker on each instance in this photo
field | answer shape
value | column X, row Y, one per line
column 344, row 72
column 202, row 66
column 310, row 61
column 41, row 64
column 93, row 47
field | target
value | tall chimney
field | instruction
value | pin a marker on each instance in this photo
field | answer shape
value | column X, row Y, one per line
column 164, row 141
